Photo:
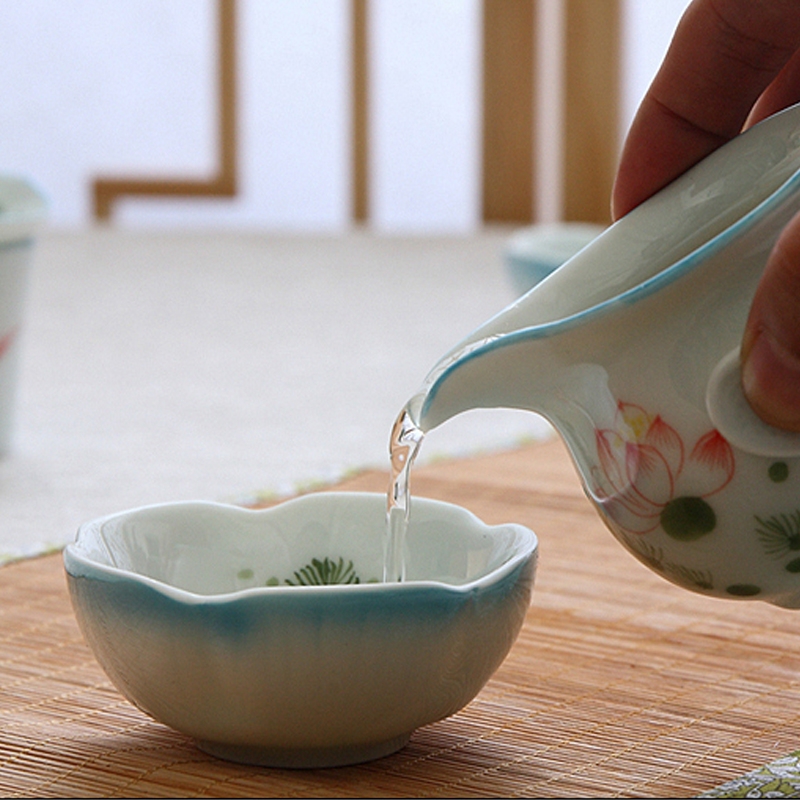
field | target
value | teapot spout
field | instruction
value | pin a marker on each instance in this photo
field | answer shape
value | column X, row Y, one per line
column 528, row 370
column 489, row 373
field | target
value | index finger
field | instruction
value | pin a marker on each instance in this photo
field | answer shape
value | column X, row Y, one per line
column 723, row 55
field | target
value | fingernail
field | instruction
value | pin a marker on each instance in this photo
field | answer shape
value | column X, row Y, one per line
column 771, row 380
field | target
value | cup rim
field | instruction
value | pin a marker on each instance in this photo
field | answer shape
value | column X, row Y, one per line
column 80, row 565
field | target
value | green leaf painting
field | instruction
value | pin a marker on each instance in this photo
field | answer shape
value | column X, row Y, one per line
column 324, row 573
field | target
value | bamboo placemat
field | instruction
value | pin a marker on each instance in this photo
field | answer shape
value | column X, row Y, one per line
column 619, row 685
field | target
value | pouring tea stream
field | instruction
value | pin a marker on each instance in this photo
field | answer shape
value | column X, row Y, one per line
column 630, row 350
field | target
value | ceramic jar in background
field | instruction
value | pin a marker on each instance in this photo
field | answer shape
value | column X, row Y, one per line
column 534, row 252
column 22, row 210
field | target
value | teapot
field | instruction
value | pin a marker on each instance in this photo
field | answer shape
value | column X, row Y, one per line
column 631, row 350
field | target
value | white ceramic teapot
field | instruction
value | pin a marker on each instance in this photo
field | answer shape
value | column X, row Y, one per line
column 631, row 350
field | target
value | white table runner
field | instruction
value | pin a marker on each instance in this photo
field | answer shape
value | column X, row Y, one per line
column 165, row 366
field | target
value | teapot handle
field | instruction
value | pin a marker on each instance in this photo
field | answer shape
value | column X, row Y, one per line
column 733, row 417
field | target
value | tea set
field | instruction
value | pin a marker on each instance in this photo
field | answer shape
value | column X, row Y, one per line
column 270, row 637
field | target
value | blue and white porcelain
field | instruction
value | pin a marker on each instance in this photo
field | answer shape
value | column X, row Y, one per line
column 631, row 350
column 22, row 211
column 188, row 608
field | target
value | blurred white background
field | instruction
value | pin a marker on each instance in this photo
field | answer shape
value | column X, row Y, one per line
column 201, row 347
column 95, row 87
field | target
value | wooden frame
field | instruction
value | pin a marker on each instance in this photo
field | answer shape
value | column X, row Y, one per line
column 591, row 108
column 590, row 137
column 107, row 191
column 360, row 111
column 508, row 108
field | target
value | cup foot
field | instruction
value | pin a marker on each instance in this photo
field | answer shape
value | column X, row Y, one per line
column 304, row 758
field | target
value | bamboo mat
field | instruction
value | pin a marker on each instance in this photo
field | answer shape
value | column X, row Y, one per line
column 619, row 685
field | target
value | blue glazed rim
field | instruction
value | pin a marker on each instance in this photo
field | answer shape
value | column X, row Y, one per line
column 682, row 267
column 79, row 566
column 237, row 614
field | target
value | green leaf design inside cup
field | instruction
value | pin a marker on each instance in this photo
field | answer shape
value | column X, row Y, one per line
column 324, row 573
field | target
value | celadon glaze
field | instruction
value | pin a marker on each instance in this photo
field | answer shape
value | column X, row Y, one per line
column 207, row 617
column 630, row 349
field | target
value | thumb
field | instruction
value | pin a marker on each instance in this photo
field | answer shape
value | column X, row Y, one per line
column 771, row 343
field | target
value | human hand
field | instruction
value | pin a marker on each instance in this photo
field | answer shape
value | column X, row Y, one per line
column 731, row 63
